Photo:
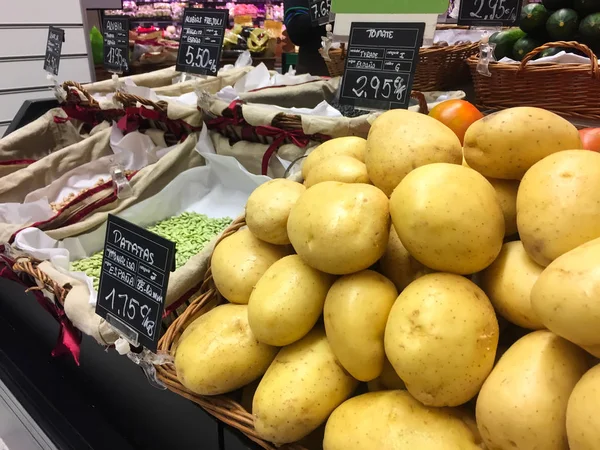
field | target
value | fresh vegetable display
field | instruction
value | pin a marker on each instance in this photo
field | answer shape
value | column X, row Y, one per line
column 190, row 232
column 448, row 301
column 590, row 137
column 458, row 115
column 550, row 21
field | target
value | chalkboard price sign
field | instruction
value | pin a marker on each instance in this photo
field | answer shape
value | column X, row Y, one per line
column 489, row 12
column 56, row 37
column 116, row 44
column 380, row 65
column 201, row 41
column 320, row 12
column 134, row 280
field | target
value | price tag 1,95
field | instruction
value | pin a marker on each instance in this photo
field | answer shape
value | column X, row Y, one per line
column 56, row 37
column 320, row 12
column 380, row 65
column 116, row 44
column 489, row 12
column 134, row 280
column 201, row 42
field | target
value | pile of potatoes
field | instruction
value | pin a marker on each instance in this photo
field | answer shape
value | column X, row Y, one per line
column 415, row 293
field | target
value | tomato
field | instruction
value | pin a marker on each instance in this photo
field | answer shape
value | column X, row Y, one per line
column 458, row 115
column 590, row 137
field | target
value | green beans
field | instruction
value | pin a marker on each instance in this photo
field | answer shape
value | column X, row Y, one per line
column 190, row 232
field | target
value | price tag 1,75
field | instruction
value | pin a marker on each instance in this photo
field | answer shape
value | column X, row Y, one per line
column 202, row 35
column 134, row 280
column 381, row 63
column 320, row 12
column 489, row 12
column 116, row 44
column 56, row 37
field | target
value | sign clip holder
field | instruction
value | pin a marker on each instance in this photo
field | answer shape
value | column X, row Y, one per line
column 120, row 181
column 145, row 359
column 59, row 92
column 486, row 55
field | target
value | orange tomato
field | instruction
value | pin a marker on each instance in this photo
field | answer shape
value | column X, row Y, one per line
column 458, row 115
column 590, row 137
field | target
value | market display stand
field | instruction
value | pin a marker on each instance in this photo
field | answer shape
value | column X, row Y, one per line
column 105, row 403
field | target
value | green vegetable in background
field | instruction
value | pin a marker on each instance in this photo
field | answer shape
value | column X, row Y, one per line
column 97, row 42
column 590, row 27
column 190, row 232
column 505, row 40
column 562, row 24
column 533, row 17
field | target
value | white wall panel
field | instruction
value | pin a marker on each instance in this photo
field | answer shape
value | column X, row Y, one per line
column 32, row 41
column 41, row 11
column 12, row 102
column 30, row 73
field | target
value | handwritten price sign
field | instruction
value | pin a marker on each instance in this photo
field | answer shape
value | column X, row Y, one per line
column 489, row 12
column 116, row 44
column 320, row 12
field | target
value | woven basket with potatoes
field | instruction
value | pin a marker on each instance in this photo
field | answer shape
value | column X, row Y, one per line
column 389, row 302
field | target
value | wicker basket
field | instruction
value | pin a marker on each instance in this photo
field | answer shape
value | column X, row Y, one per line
column 224, row 407
column 439, row 68
column 571, row 90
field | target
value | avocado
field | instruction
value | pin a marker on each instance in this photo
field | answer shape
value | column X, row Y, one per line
column 562, row 24
column 533, row 17
column 505, row 40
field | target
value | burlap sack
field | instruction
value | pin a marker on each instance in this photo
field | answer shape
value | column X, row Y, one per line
column 306, row 95
column 154, row 79
column 35, row 141
column 16, row 186
column 209, row 84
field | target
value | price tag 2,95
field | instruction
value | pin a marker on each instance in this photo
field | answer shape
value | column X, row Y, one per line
column 134, row 280
column 116, row 44
column 489, row 12
column 320, row 12
column 381, row 63
column 201, row 42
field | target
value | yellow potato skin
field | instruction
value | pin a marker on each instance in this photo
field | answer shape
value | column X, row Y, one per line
column 522, row 404
column 301, row 388
column 268, row 209
column 239, row 261
column 287, row 301
column 448, row 218
column 565, row 296
column 506, row 190
column 220, row 354
column 557, row 204
column 583, row 422
column 398, row 265
column 393, row 420
column 344, row 169
column 340, row 228
column 355, row 313
column 441, row 338
column 353, row 146
column 508, row 283
column 401, row 140
column 507, row 143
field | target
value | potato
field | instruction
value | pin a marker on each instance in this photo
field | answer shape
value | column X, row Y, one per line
column 301, row 388
column 398, row 265
column 356, row 312
column 506, row 190
column 557, row 204
column 400, row 141
column 340, row 228
column 353, row 146
column 287, row 301
column 507, row 143
column 448, row 218
column 508, row 283
column 221, row 354
column 388, row 380
column 393, row 420
column 565, row 296
column 441, row 338
column 239, row 261
column 523, row 403
column 268, row 209
column 583, row 422
column 344, row 169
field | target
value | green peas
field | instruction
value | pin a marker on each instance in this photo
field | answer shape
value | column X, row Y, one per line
column 190, row 232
